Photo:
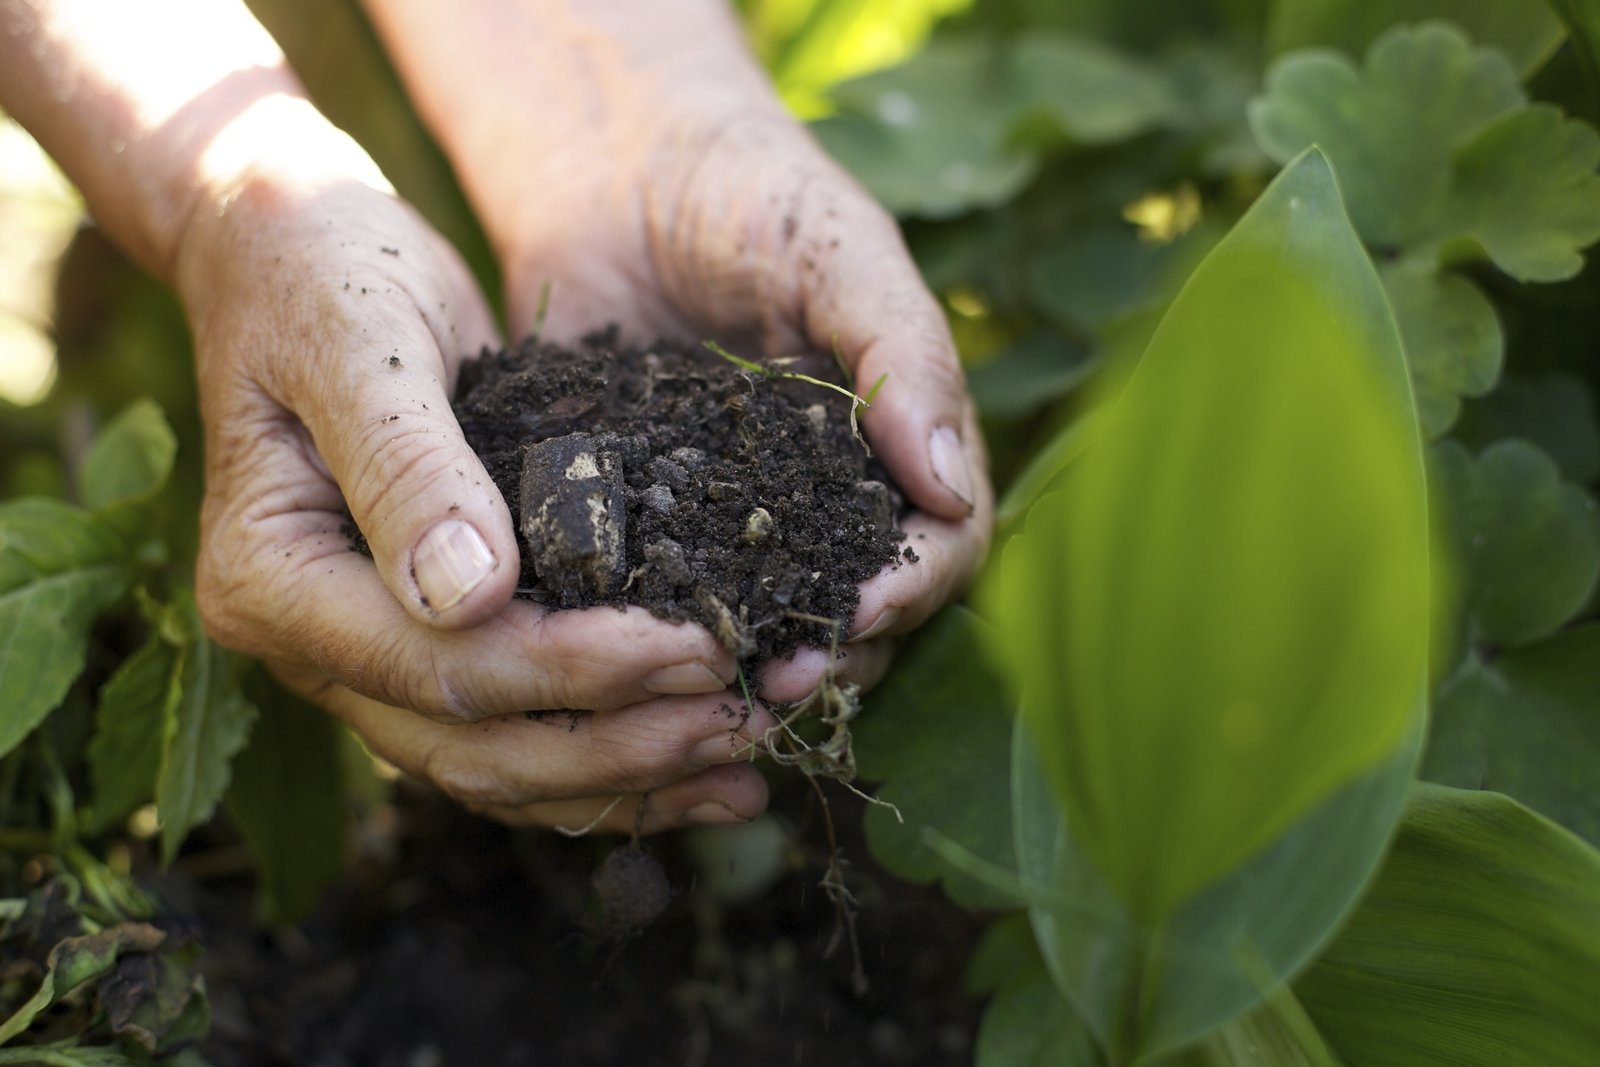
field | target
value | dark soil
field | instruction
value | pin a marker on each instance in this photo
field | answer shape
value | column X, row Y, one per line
column 461, row 943
column 670, row 478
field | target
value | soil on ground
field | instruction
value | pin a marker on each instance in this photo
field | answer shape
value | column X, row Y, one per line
column 671, row 478
column 460, row 943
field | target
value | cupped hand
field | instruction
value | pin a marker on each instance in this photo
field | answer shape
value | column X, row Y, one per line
column 328, row 322
column 742, row 229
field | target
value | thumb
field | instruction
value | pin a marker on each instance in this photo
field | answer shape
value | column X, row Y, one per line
column 438, row 527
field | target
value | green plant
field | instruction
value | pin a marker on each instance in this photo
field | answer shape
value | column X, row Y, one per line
column 1234, row 834
column 1389, row 856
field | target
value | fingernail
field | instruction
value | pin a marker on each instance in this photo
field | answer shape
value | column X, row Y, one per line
column 886, row 619
column 713, row 813
column 725, row 747
column 949, row 461
column 683, row 679
column 451, row 561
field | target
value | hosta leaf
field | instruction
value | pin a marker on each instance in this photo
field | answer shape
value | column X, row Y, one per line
column 1222, row 619
column 1436, row 144
column 1027, row 1024
column 135, row 709
column 1527, row 724
column 1554, row 411
column 1478, row 946
column 939, row 738
column 130, row 459
column 931, row 137
column 59, row 568
column 1146, row 989
column 1452, row 339
column 211, row 725
column 1526, row 33
column 287, row 800
column 1526, row 543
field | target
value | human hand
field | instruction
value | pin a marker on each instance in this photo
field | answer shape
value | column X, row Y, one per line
column 328, row 322
column 632, row 156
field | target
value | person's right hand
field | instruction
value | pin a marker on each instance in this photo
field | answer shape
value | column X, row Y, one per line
column 328, row 322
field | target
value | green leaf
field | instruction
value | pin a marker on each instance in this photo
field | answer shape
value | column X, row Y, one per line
column 1554, row 411
column 937, row 733
column 1035, row 371
column 1029, row 1025
column 211, row 725
column 1527, row 544
column 1582, row 20
column 59, row 568
column 1222, row 618
column 1145, row 990
column 74, row 961
column 1006, row 949
column 1452, row 339
column 1479, row 945
column 66, row 1054
column 1092, row 93
column 1528, row 725
column 136, row 706
column 288, row 801
column 130, row 459
column 1438, row 150
column 931, row 137
column 1526, row 33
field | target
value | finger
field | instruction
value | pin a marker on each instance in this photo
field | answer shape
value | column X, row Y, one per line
column 375, row 397
column 731, row 793
column 862, row 293
column 283, row 585
column 784, row 681
column 515, row 760
column 904, row 595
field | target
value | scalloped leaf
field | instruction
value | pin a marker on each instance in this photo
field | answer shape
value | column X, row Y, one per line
column 1527, row 724
column 1554, row 411
column 1437, row 147
column 1527, row 543
column 1452, row 337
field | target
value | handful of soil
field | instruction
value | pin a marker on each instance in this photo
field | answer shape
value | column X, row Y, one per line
column 673, row 479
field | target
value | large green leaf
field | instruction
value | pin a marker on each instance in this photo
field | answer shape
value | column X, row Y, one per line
column 1478, row 946
column 131, row 720
column 1526, row 32
column 1527, row 543
column 1438, row 149
column 59, row 567
column 1147, row 989
column 1223, row 617
column 130, row 459
column 288, row 801
column 1093, row 94
column 1527, row 724
column 211, row 724
column 938, row 735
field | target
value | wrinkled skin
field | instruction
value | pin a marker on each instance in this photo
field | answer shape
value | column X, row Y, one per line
column 329, row 323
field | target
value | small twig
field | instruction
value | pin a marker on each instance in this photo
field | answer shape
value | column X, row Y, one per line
column 598, row 819
column 856, row 401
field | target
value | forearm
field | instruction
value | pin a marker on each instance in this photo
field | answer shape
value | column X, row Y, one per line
column 525, row 96
column 146, row 123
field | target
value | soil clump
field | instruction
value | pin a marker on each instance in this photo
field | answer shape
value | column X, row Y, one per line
column 670, row 478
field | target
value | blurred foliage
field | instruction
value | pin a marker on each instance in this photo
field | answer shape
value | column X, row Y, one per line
column 1061, row 168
